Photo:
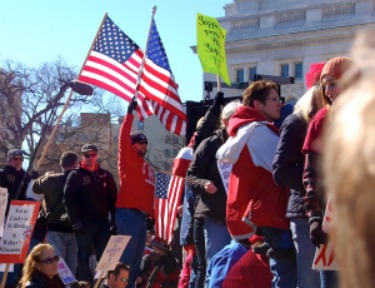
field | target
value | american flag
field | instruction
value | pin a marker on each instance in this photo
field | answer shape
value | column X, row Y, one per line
column 168, row 193
column 113, row 64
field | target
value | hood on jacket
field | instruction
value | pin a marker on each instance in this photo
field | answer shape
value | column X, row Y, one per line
column 243, row 115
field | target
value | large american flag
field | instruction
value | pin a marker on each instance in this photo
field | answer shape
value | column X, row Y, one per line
column 114, row 63
column 168, row 193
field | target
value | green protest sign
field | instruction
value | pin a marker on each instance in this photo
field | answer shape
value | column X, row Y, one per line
column 211, row 46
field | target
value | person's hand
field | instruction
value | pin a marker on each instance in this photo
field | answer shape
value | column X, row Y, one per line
column 317, row 235
column 34, row 174
column 219, row 99
column 132, row 105
column 210, row 187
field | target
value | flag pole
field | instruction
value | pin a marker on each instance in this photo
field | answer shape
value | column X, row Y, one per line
column 140, row 71
column 218, row 82
column 53, row 133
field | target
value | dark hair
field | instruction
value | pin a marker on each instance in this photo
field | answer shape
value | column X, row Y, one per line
column 68, row 159
column 258, row 90
column 120, row 266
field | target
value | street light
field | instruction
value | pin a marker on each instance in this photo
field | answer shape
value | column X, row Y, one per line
column 76, row 86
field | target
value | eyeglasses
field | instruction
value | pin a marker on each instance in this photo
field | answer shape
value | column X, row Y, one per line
column 50, row 260
column 92, row 155
column 125, row 280
column 17, row 159
column 142, row 142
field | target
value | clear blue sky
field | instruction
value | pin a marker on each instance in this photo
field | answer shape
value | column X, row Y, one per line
column 37, row 31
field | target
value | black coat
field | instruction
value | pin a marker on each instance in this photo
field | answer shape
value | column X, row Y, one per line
column 203, row 168
column 39, row 280
column 289, row 161
column 11, row 179
column 90, row 195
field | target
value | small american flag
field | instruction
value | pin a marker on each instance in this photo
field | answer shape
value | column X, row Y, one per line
column 168, row 194
column 113, row 64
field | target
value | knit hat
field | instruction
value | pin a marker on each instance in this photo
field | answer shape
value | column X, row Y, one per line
column 137, row 136
column 313, row 75
column 336, row 67
column 88, row 147
column 14, row 152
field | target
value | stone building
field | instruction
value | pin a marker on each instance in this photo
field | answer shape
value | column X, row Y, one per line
column 283, row 37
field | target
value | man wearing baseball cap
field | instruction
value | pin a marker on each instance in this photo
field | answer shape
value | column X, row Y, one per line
column 136, row 196
column 90, row 195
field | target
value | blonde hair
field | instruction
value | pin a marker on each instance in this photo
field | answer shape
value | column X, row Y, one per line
column 31, row 262
column 309, row 103
column 349, row 166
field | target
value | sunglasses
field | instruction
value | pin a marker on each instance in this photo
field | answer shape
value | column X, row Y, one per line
column 92, row 155
column 142, row 142
column 17, row 159
column 50, row 260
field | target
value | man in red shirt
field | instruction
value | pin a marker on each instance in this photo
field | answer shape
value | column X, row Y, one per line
column 135, row 200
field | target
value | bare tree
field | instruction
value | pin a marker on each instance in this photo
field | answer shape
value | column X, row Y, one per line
column 31, row 100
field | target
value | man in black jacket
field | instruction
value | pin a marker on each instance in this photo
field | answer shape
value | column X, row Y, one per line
column 90, row 195
column 60, row 233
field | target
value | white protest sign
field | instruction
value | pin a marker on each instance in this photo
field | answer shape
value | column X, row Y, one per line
column 3, row 266
column 18, row 229
column 325, row 258
column 328, row 215
column 3, row 205
column 112, row 253
column 224, row 171
column 64, row 272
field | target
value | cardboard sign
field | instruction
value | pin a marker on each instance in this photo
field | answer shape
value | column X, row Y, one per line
column 19, row 227
column 211, row 46
column 64, row 272
column 224, row 171
column 3, row 206
column 112, row 253
column 328, row 216
column 325, row 258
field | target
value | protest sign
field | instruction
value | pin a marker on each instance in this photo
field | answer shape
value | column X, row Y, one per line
column 64, row 272
column 18, row 230
column 3, row 205
column 211, row 46
column 224, row 171
column 325, row 258
column 328, row 215
column 112, row 253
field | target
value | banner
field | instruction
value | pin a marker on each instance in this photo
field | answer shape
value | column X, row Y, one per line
column 18, row 230
column 211, row 46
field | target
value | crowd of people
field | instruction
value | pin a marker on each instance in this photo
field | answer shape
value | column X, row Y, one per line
column 255, row 195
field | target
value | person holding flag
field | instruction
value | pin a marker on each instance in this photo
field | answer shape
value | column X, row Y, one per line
column 136, row 196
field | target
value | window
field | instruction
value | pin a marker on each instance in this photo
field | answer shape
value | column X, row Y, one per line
column 252, row 72
column 284, row 70
column 298, row 70
column 240, row 75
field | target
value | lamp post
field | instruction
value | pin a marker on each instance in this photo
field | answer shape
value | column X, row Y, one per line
column 76, row 86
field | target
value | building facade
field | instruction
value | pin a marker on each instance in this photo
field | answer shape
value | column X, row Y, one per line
column 283, row 37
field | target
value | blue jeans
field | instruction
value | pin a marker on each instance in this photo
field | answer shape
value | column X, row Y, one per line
column 329, row 279
column 132, row 222
column 216, row 237
column 305, row 251
column 66, row 246
column 209, row 238
column 96, row 233
column 284, row 270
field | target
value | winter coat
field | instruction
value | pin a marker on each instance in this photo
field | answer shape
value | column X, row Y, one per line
column 204, row 168
column 288, row 163
column 253, row 196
